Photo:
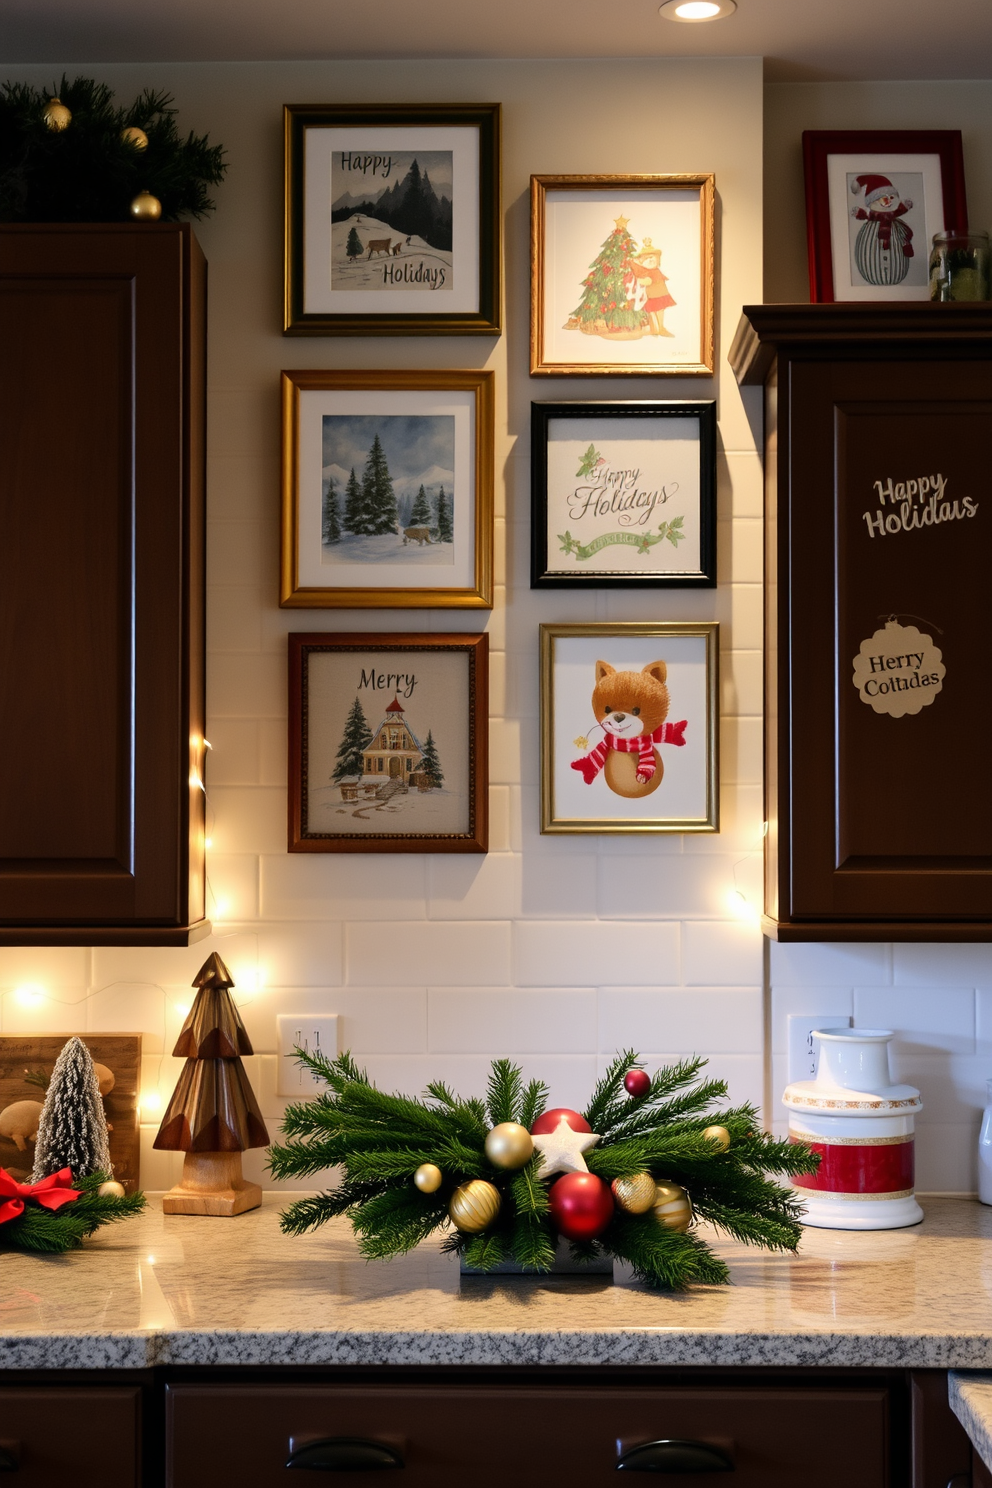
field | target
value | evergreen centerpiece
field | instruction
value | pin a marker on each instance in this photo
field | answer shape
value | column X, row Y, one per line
column 79, row 157
column 636, row 1167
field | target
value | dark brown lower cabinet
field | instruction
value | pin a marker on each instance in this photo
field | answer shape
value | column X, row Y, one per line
column 89, row 1436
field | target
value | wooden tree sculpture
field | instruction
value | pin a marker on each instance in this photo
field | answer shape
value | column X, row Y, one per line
column 213, row 1115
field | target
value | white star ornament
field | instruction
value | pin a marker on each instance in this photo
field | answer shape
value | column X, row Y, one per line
column 561, row 1150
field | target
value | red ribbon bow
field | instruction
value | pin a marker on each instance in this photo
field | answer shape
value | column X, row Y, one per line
column 50, row 1193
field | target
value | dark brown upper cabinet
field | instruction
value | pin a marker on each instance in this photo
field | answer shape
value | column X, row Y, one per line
column 878, row 618
column 101, row 584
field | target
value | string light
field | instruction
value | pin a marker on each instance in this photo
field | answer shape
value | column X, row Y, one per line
column 30, row 994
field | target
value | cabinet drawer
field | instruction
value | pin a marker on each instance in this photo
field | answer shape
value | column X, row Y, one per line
column 88, row 1438
column 489, row 1435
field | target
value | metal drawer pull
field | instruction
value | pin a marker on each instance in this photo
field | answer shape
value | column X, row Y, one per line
column 343, row 1454
column 675, row 1456
column 9, row 1457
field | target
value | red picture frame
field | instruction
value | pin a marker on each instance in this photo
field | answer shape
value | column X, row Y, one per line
column 884, row 144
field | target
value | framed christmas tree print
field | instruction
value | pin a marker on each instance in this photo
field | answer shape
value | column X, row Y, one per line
column 623, row 495
column 387, row 490
column 392, row 219
column 388, row 742
column 874, row 200
column 622, row 276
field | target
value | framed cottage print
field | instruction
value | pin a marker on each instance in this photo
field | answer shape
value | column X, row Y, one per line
column 874, row 199
column 387, row 490
column 393, row 219
column 629, row 723
column 388, row 743
column 622, row 276
column 623, row 495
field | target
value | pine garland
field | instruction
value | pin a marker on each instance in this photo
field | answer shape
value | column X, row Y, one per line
column 88, row 172
column 51, row 1232
column 380, row 1141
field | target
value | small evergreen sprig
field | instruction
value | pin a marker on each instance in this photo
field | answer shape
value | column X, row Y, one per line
column 88, row 172
column 52, row 1231
column 380, row 1140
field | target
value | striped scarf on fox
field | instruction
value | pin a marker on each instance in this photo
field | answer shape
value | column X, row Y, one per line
column 666, row 733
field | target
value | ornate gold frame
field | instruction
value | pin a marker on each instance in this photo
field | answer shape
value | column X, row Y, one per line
column 710, row 822
column 480, row 594
column 539, row 188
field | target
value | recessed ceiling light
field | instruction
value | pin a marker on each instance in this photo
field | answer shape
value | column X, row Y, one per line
column 697, row 10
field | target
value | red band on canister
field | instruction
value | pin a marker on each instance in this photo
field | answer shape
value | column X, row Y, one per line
column 859, row 1168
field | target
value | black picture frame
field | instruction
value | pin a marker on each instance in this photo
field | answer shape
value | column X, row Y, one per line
column 416, row 126
column 702, row 526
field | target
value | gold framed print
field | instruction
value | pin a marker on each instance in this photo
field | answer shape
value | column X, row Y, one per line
column 629, row 726
column 622, row 276
column 393, row 219
column 387, row 490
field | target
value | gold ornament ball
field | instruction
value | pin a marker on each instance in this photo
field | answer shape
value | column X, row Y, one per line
column 135, row 136
column 57, row 116
column 509, row 1145
column 671, row 1207
column 636, row 1193
column 719, row 1136
column 111, row 1190
column 146, row 208
column 428, row 1178
column 474, row 1205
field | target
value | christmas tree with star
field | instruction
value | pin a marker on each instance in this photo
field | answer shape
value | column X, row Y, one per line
column 628, row 1178
column 608, row 292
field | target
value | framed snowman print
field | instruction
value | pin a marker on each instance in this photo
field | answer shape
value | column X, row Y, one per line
column 874, row 200
column 622, row 276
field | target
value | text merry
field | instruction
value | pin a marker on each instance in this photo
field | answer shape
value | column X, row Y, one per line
column 398, row 682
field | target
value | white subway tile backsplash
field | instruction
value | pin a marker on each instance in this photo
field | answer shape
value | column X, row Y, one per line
column 344, row 886
column 248, row 819
column 528, row 1020
column 232, row 886
column 44, row 966
column 814, row 1000
column 233, row 758
column 947, row 1159
column 465, row 953
column 729, row 952
column 705, row 1020
column 55, row 1010
column 836, row 964
column 924, row 1020
column 942, row 965
column 668, row 888
column 596, row 953
column 245, row 686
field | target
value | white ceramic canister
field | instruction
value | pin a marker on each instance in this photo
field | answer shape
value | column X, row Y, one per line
column 862, row 1127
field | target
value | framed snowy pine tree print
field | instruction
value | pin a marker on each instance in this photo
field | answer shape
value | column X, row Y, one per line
column 387, row 490
column 622, row 276
column 393, row 219
column 388, row 742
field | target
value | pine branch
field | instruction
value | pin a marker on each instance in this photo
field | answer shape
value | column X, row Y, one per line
column 484, row 1252
column 505, row 1092
column 52, row 1231
column 535, row 1099
column 660, row 1257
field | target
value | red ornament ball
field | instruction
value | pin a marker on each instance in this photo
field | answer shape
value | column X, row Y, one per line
column 637, row 1082
column 549, row 1121
column 581, row 1206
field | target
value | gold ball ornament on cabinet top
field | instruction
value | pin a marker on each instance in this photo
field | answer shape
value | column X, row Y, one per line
column 719, row 1136
column 635, row 1193
column 428, row 1177
column 146, row 208
column 509, row 1145
column 672, row 1207
column 57, row 116
column 474, row 1205
column 135, row 136
column 111, row 1190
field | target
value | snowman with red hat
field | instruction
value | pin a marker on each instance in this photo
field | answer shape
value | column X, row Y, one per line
column 884, row 245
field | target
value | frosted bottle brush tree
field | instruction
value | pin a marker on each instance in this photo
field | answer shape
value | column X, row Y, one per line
column 72, row 1130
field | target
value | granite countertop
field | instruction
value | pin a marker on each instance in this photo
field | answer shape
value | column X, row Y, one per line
column 191, row 1290
column 971, row 1401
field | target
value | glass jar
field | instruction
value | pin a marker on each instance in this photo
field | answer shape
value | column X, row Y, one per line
column 959, row 266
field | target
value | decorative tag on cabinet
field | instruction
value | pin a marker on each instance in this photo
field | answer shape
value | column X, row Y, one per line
column 898, row 670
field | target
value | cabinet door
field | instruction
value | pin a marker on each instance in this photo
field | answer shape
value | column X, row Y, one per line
column 89, row 1438
column 884, row 523
column 101, row 583
column 489, row 1436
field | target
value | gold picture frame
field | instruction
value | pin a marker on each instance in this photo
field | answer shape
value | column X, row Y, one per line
column 667, row 674
column 577, row 256
column 432, row 548
column 359, row 260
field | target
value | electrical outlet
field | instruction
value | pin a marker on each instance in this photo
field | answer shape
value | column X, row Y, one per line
column 804, row 1051
column 304, row 1031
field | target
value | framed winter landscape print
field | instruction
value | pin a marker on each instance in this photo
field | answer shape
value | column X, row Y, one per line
column 387, row 490
column 622, row 276
column 393, row 219
column 623, row 495
column 874, row 199
column 388, row 743
column 629, row 722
